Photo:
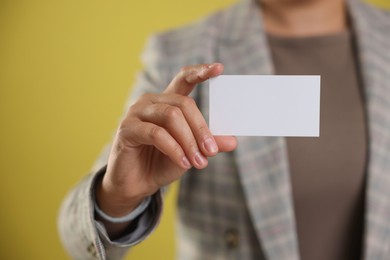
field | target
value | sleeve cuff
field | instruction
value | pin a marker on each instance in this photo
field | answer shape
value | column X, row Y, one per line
column 143, row 225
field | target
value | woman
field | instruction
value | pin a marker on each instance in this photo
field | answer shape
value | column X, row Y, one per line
column 274, row 197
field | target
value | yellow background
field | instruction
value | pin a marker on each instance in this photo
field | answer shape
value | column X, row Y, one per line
column 65, row 72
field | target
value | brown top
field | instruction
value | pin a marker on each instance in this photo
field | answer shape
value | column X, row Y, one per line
column 328, row 173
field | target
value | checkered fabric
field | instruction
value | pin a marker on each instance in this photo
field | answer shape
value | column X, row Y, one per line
column 240, row 206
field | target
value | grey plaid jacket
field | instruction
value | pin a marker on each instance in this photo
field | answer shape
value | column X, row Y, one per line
column 240, row 206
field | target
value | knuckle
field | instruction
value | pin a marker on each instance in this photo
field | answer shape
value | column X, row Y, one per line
column 124, row 138
column 124, row 126
column 122, row 134
column 129, row 127
column 156, row 133
column 177, row 150
column 187, row 101
column 172, row 112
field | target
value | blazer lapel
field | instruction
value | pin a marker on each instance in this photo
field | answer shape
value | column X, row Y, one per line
column 262, row 161
column 372, row 28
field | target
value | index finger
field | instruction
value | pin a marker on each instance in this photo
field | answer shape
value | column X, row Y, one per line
column 185, row 81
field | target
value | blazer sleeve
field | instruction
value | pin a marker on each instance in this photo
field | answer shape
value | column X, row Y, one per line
column 81, row 236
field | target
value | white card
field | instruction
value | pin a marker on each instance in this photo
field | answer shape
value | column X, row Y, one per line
column 249, row 105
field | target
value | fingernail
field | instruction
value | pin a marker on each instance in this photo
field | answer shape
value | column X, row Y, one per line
column 210, row 66
column 210, row 146
column 186, row 163
column 199, row 159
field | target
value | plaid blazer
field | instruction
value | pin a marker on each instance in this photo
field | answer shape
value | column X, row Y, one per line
column 240, row 206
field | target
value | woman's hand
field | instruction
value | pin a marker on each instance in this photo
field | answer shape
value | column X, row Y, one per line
column 161, row 136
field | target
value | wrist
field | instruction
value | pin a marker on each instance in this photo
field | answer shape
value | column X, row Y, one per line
column 110, row 202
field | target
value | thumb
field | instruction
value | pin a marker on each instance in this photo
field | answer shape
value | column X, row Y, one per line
column 185, row 81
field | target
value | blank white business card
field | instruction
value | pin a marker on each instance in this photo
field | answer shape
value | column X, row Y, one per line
column 251, row 105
